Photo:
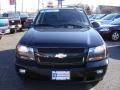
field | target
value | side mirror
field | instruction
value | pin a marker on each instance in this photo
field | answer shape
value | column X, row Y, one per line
column 95, row 24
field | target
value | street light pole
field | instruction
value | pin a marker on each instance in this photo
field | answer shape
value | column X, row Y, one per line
column 38, row 4
column 42, row 4
column 60, row 3
column 0, row 7
column 22, row 5
column 15, row 6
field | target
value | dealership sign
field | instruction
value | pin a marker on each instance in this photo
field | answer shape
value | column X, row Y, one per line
column 12, row 2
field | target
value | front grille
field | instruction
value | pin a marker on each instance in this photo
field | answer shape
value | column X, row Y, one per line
column 61, row 50
column 74, row 55
column 64, row 60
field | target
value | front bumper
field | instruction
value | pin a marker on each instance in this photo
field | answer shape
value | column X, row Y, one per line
column 88, row 73
column 17, row 26
column 4, row 30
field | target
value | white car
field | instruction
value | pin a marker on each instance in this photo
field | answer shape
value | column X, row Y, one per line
column 4, row 26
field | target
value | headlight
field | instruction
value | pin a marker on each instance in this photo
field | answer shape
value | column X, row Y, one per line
column 12, row 21
column 104, row 29
column 97, row 53
column 12, row 26
column 24, row 52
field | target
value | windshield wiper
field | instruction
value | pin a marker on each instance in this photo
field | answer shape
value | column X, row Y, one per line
column 44, row 25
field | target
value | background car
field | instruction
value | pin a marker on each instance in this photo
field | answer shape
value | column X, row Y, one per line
column 96, row 17
column 30, row 20
column 108, row 18
column 32, row 15
column 4, row 26
column 23, row 18
column 14, row 21
column 112, row 30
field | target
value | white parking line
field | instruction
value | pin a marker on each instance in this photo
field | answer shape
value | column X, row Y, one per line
column 92, row 89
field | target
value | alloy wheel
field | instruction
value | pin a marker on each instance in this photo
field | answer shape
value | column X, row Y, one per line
column 115, row 36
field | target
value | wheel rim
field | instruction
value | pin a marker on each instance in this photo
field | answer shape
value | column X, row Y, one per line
column 115, row 36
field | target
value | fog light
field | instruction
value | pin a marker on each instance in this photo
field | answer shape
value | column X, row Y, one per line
column 22, row 71
column 99, row 71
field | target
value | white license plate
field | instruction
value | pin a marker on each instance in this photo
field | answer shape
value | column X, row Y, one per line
column 60, row 75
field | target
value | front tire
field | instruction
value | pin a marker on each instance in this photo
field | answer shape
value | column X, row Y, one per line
column 115, row 36
column 0, row 37
column 21, row 30
column 12, row 31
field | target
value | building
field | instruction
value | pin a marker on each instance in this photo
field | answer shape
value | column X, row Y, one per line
column 104, row 9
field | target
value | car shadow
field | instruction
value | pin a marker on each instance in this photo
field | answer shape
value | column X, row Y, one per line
column 6, row 57
column 9, row 79
column 55, row 85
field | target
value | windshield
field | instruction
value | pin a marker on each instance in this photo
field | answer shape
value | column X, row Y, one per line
column 109, row 17
column 116, row 22
column 62, row 17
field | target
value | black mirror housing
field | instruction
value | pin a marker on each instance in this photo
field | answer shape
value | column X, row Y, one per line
column 95, row 25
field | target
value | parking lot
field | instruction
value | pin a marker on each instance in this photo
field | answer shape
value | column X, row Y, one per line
column 10, row 81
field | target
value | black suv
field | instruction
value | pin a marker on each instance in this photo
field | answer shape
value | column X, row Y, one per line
column 62, row 45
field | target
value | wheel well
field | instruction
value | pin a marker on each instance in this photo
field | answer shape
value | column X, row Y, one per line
column 115, row 31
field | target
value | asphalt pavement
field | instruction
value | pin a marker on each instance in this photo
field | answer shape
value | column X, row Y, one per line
column 10, row 81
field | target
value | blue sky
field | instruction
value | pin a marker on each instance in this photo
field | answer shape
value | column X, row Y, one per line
column 31, row 5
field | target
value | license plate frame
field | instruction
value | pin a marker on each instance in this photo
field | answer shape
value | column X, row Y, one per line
column 61, row 75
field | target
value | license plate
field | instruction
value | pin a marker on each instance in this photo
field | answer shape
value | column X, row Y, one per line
column 60, row 75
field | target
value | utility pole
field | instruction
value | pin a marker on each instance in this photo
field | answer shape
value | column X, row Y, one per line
column 38, row 5
column 42, row 4
column 22, row 6
column 60, row 3
column 0, row 7
column 15, row 6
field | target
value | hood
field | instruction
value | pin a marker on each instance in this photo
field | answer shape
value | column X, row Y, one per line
column 74, row 38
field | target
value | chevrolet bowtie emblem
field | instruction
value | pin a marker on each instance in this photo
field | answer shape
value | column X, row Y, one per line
column 60, row 55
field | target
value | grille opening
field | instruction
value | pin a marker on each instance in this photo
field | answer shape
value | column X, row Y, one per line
column 74, row 55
